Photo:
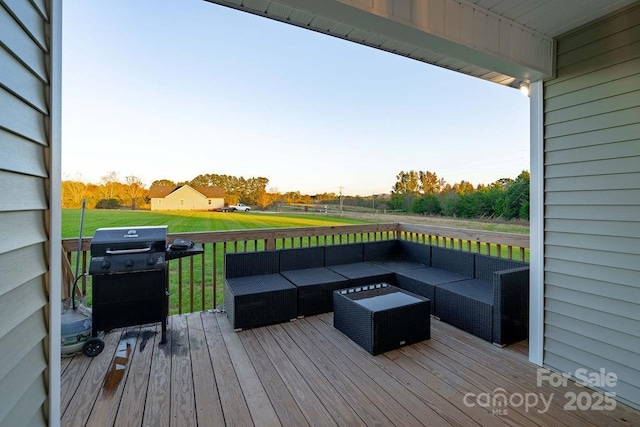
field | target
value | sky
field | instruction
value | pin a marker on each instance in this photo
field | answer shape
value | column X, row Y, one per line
column 171, row 89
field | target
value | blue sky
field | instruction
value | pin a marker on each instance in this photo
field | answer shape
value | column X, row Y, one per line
column 174, row 89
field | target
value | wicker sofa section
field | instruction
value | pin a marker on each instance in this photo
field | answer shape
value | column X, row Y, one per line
column 255, row 294
column 348, row 261
column 304, row 268
column 483, row 295
column 492, row 304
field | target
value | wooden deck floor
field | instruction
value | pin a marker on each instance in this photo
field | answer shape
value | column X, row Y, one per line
column 307, row 373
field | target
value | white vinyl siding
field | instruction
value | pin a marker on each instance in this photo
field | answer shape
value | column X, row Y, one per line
column 592, row 203
column 24, row 207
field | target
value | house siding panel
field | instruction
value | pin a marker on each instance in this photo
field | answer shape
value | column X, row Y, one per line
column 592, row 200
column 24, row 207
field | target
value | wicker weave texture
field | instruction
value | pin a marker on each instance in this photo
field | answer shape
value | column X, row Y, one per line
column 380, row 331
column 511, row 305
column 315, row 289
column 300, row 258
column 468, row 314
column 343, row 254
column 452, row 260
column 417, row 252
column 417, row 287
column 382, row 250
column 259, row 300
column 252, row 263
column 485, row 266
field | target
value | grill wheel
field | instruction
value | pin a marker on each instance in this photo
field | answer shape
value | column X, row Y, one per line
column 93, row 347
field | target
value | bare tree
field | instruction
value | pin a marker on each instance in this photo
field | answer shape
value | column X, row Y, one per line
column 134, row 190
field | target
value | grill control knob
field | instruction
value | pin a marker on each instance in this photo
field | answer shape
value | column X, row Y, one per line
column 105, row 265
column 128, row 263
column 151, row 261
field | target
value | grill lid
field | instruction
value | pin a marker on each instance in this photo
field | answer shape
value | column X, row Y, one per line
column 129, row 240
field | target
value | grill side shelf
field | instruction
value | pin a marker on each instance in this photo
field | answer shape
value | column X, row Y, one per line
column 195, row 250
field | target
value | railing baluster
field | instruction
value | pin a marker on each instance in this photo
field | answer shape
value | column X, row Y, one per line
column 191, row 283
column 179, row 285
column 214, row 272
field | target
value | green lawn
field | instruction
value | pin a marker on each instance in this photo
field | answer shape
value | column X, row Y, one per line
column 186, row 221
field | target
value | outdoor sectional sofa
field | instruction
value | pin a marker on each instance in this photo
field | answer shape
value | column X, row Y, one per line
column 486, row 296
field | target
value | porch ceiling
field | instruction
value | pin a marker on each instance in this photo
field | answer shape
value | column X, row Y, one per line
column 503, row 41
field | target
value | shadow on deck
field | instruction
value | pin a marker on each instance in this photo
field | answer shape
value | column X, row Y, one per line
column 308, row 373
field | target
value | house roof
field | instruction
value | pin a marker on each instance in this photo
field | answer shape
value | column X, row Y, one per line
column 162, row 191
column 503, row 41
column 210, row 192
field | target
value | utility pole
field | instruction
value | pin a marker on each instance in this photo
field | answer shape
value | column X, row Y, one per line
column 341, row 188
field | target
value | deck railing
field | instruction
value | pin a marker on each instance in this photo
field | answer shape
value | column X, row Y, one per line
column 195, row 283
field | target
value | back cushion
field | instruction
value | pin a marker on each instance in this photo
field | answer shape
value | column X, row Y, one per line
column 452, row 260
column 418, row 252
column 343, row 254
column 384, row 249
column 251, row 263
column 300, row 258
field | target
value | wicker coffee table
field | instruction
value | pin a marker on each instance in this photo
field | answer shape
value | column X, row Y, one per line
column 381, row 317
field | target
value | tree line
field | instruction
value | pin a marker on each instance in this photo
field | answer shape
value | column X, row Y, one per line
column 112, row 192
column 422, row 192
column 419, row 192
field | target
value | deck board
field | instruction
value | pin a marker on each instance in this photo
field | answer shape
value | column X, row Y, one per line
column 304, row 396
column 233, row 405
column 305, row 373
column 130, row 410
column 105, row 409
column 351, row 371
column 335, row 402
column 183, row 406
column 283, row 403
column 208, row 407
column 258, row 402
column 157, row 407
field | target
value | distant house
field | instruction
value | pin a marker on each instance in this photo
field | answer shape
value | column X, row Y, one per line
column 186, row 198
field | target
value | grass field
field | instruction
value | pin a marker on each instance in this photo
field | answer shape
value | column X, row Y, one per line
column 187, row 221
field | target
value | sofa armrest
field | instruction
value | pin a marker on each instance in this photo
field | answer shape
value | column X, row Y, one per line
column 510, row 305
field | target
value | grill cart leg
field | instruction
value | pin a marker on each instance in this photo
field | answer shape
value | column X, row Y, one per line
column 165, row 309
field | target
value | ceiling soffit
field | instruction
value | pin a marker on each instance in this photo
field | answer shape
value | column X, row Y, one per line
column 452, row 34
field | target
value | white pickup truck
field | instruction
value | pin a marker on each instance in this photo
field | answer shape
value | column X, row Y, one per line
column 239, row 208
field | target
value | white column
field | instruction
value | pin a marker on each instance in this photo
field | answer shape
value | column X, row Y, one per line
column 536, row 216
column 55, row 209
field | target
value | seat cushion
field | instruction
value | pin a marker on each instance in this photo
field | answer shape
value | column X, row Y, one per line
column 315, row 289
column 398, row 265
column 432, row 276
column 314, row 276
column 363, row 273
column 258, row 284
column 473, row 288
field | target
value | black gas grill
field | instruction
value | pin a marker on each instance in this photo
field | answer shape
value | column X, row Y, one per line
column 130, row 276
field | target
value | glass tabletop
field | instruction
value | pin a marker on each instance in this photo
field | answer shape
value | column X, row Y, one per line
column 379, row 297
column 387, row 301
